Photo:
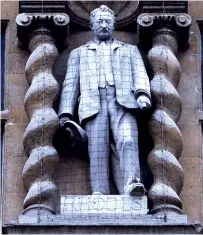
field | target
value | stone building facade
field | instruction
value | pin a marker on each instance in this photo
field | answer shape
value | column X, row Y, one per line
column 176, row 27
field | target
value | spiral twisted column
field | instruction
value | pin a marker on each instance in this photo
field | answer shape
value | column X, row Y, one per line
column 39, row 170
column 163, row 159
column 167, row 172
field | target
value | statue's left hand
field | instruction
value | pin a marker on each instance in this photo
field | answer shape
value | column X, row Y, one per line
column 144, row 102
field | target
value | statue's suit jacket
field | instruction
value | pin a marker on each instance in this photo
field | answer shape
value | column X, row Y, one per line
column 82, row 78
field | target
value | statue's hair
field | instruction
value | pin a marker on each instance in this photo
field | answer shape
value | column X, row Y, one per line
column 102, row 8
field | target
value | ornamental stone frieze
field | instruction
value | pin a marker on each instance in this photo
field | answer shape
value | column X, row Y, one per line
column 40, row 33
column 164, row 34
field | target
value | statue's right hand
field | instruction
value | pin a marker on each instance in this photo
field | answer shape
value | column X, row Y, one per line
column 75, row 133
column 62, row 121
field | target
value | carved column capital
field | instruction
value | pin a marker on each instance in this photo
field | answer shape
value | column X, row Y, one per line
column 54, row 23
column 149, row 24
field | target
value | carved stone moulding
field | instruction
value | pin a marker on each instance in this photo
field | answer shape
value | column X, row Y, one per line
column 149, row 23
column 164, row 6
column 28, row 22
column 125, row 11
column 42, row 6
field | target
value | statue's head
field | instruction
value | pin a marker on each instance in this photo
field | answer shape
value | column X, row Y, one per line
column 102, row 21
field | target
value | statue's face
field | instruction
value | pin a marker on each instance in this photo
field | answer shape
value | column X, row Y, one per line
column 102, row 25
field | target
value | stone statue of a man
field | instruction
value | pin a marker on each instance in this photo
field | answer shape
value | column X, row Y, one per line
column 109, row 80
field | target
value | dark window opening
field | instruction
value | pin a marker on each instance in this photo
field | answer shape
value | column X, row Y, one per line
column 201, row 30
column 3, row 37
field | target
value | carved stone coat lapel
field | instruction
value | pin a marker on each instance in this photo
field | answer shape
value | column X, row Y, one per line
column 93, row 60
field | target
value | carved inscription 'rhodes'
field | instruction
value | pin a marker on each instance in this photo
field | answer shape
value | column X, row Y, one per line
column 103, row 204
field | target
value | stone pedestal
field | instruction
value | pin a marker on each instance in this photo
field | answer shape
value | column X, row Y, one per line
column 103, row 214
column 103, row 210
column 102, row 223
column 102, row 219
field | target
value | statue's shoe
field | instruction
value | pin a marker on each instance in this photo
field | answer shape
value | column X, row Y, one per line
column 136, row 189
column 97, row 193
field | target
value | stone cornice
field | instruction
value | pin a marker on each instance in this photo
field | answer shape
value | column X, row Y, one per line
column 164, row 6
column 42, row 6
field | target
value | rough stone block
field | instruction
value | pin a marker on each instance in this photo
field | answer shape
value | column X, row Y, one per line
column 191, row 140
column 13, row 159
column 16, row 89
column 189, row 91
column 12, row 46
column 18, row 115
column 195, row 8
column 191, row 193
column 189, row 116
column 9, row 9
column 15, row 62
column 73, row 176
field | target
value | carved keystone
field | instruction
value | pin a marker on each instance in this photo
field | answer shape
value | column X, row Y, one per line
column 164, row 33
column 39, row 32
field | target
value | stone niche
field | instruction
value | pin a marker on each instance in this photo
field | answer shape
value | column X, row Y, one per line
column 73, row 176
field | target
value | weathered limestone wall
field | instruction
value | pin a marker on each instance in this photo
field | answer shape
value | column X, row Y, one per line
column 16, row 86
column 190, row 90
column 15, row 89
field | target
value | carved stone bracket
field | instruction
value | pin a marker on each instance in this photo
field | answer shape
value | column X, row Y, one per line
column 39, row 33
column 165, row 32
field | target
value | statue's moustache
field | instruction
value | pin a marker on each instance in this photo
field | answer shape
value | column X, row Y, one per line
column 103, row 30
